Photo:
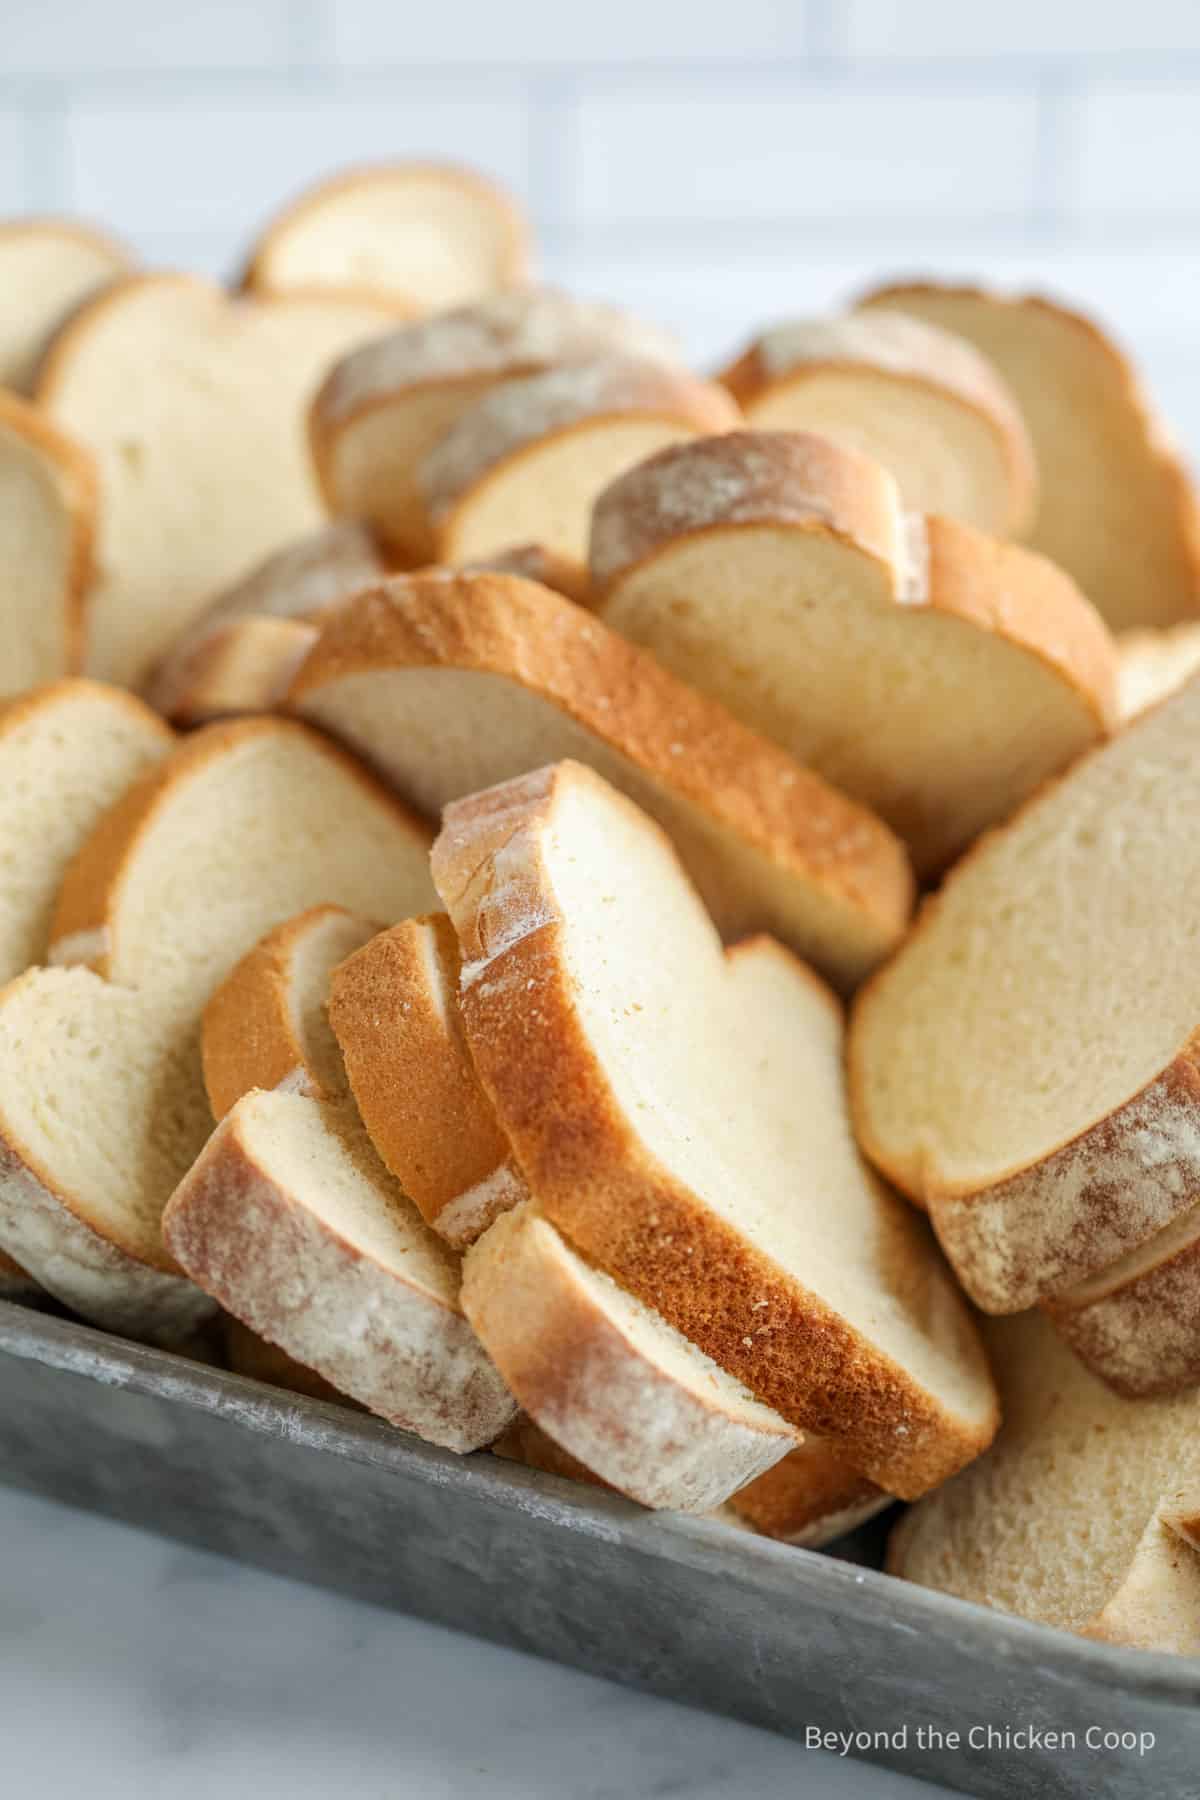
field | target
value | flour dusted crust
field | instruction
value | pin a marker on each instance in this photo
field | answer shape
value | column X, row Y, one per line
column 1117, row 508
column 384, row 407
column 248, row 1354
column 248, row 1223
column 49, row 482
column 343, row 231
column 48, row 267
column 684, row 545
column 393, row 1006
column 631, row 1213
column 263, row 1026
column 522, row 415
column 904, row 350
column 769, row 843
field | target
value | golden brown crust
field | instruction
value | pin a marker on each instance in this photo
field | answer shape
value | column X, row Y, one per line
column 89, row 900
column 394, row 1011
column 800, row 1495
column 244, row 666
column 633, row 1216
column 511, row 628
column 256, row 276
column 81, row 493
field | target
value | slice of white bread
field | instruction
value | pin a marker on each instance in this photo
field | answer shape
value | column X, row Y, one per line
column 248, row 1354
column 67, row 753
column 1028, row 1060
column 1116, row 507
column 1059, row 1521
column 102, row 1104
column 608, row 1379
column 449, row 684
column 680, row 1117
column 239, row 653
column 811, row 1498
column 193, row 406
column 47, row 267
column 288, row 1219
column 921, row 401
column 47, row 524
column 529, row 458
column 384, row 407
column 937, row 675
column 266, row 1025
column 1152, row 664
column 429, row 234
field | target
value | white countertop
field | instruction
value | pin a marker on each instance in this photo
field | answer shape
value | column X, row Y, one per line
column 131, row 1668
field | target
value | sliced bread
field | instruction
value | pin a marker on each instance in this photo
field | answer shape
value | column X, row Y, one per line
column 935, row 674
column 248, row 1354
column 266, row 1026
column 47, row 268
column 288, row 1219
column 1059, row 1522
column 1152, row 664
column 193, row 406
column 102, row 1104
column 67, row 753
column 921, row 401
column 680, row 1118
column 1027, row 1062
column 811, row 1498
column 449, row 684
column 1116, row 509
column 528, row 459
column 47, row 524
column 384, row 407
column 427, row 234
column 534, row 562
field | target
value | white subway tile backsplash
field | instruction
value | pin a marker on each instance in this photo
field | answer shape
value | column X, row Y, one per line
column 536, row 32
column 66, row 38
column 725, row 152
column 1057, row 28
column 203, row 166
column 1137, row 152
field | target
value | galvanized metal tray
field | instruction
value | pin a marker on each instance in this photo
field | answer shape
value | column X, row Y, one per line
column 702, row 1612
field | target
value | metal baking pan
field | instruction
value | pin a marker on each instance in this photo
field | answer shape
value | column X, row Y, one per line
column 806, row 1644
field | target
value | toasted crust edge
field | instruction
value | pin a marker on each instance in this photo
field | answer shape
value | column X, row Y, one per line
column 80, row 487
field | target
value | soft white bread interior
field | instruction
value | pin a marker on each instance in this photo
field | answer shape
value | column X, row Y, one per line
column 47, row 267
column 1152, row 664
column 528, row 459
column 607, row 1378
column 267, row 1025
column 193, row 406
column 67, row 753
column 47, row 524
column 1116, row 507
column 680, row 1117
column 921, row 401
column 427, row 234
column 1027, row 1062
column 932, row 672
column 449, row 684
column 289, row 1220
column 102, row 1104
column 383, row 408
column 1059, row 1521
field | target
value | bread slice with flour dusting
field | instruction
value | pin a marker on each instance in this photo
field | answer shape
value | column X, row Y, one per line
column 382, row 408
column 1073, row 922
column 102, row 1105
column 924, row 403
column 527, row 461
column 1116, row 509
column 449, row 684
column 935, row 674
column 48, row 506
column 48, row 267
column 681, row 1120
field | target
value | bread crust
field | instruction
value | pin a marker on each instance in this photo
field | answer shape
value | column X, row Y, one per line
column 533, row 562
column 248, row 1354
column 76, row 473
column 286, row 1274
column 916, row 355
column 256, row 276
column 595, row 1180
column 574, row 1370
column 244, row 666
column 503, row 626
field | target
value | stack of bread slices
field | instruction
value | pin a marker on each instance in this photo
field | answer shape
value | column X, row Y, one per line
column 608, row 914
